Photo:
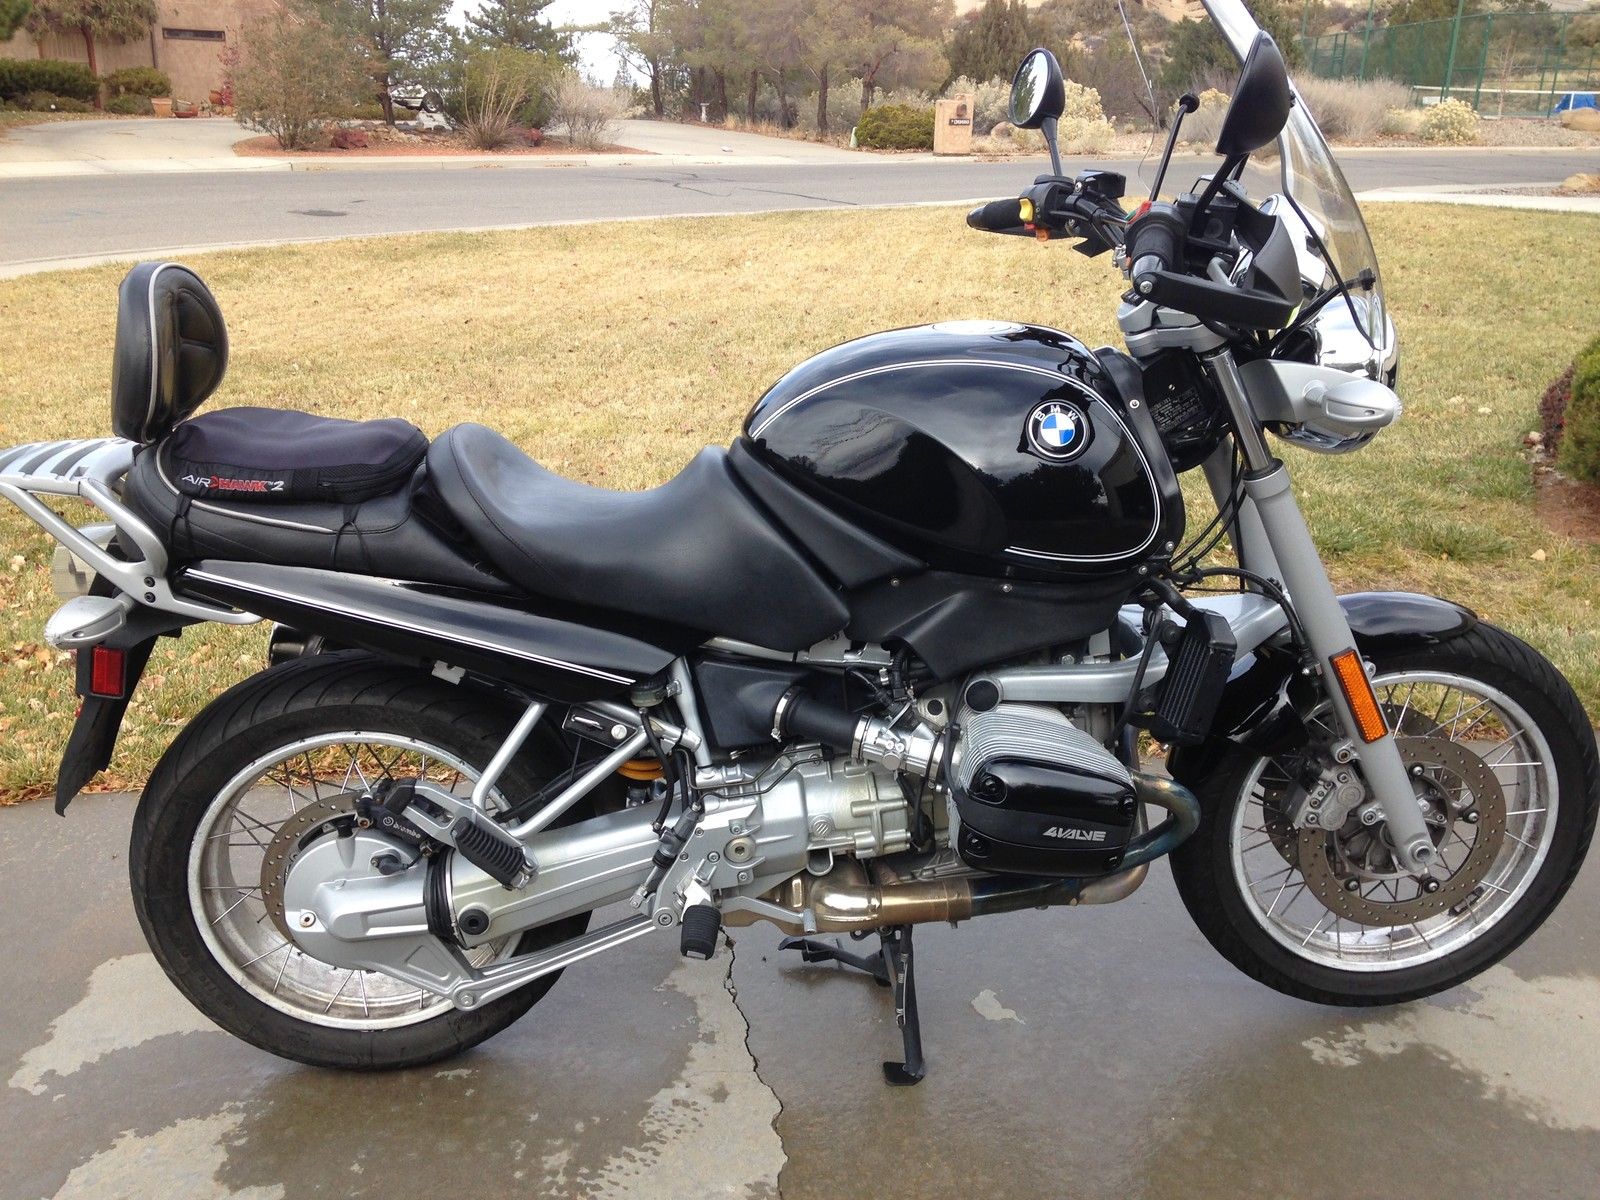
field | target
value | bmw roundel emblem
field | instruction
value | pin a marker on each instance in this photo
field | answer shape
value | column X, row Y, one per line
column 1058, row 430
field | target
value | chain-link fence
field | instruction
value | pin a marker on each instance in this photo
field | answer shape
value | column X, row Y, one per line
column 1503, row 64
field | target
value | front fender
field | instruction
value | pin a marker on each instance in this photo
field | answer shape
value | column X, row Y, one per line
column 1255, row 707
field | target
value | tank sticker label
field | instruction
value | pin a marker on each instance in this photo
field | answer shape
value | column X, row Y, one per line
column 1058, row 431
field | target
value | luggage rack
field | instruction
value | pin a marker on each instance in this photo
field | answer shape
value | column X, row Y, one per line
column 87, row 469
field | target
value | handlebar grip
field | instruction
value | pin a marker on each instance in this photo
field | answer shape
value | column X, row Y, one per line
column 997, row 216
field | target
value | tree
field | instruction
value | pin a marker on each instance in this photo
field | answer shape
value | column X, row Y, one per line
column 1404, row 12
column 1196, row 50
column 990, row 42
column 405, row 36
column 898, row 42
column 645, row 45
column 519, row 23
column 112, row 20
column 12, row 13
column 295, row 70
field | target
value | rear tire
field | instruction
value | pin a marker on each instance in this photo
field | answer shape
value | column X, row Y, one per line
column 1239, row 924
column 286, row 705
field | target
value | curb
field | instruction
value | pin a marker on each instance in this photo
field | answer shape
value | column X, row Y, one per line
column 1485, row 197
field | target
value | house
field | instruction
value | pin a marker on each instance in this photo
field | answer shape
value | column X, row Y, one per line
column 186, row 41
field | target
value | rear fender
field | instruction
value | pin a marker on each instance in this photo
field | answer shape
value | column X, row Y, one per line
column 1265, row 697
column 99, row 722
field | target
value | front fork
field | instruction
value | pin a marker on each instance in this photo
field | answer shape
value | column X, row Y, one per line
column 1271, row 539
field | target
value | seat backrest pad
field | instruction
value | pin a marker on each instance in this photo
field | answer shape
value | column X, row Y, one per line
column 171, row 350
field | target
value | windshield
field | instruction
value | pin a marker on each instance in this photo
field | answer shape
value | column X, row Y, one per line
column 1317, row 188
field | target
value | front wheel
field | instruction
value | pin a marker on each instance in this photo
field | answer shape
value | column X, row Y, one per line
column 1504, row 764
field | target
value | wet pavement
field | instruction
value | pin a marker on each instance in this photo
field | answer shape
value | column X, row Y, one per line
column 1084, row 1053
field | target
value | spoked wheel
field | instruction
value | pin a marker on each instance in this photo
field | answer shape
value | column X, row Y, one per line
column 225, row 812
column 1503, row 764
column 244, row 845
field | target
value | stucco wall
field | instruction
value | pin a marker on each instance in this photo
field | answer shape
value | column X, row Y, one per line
column 194, row 66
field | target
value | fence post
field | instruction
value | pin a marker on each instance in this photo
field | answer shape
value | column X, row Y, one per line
column 1366, row 41
column 1483, row 64
column 1555, row 73
column 1450, row 62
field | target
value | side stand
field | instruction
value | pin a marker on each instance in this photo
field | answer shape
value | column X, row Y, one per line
column 893, row 967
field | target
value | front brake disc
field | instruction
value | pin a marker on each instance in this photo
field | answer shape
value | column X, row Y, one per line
column 1462, row 782
column 292, row 837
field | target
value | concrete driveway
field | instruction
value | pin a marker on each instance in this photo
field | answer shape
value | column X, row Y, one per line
column 1084, row 1053
column 96, row 147
column 672, row 138
column 139, row 146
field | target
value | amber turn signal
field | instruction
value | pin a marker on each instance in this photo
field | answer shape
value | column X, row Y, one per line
column 1357, row 688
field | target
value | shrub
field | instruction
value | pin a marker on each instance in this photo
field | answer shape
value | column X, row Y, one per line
column 296, row 72
column 20, row 76
column 500, row 89
column 1580, row 436
column 1348, row 110
column 50, row 102
column 130, row 106
column 1402, row 122
column 590, row 113
column 139, row 81
column 1450, row 123
column 895, row 127
column 1202, row 126
column 991, row 102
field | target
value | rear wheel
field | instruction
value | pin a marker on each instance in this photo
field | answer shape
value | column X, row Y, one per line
column 303, row 738
column 1503, row 761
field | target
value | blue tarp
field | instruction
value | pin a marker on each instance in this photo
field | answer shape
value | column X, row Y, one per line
column 1575, row 100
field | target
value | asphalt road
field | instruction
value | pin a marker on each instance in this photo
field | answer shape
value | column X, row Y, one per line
column 51, row 220
column 1091, row 1053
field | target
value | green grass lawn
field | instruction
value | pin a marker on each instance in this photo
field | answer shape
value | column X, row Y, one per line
column 572, row 340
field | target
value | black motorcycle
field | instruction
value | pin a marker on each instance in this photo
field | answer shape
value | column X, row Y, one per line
column 886, row 660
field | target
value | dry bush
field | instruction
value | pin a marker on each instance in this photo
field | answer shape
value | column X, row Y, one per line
column 1402, row 122
column 295, row 73
column 1450, row 123
column 1202, row 126
column 590, row 113
column 1349, row 110
column 991, row 102
column 497, row 85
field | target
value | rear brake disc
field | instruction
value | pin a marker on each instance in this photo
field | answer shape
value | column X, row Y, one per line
column 293, row 836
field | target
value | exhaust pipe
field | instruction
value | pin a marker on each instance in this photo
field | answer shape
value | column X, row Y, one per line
column 847, row 900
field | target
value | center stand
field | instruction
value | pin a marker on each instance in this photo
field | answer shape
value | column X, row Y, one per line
column 893, row 967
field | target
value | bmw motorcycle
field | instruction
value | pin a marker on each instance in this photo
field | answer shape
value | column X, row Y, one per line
column 885, row 660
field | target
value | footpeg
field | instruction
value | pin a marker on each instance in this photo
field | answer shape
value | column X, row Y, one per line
column 497, row 855
column 452, row 821
column 701, row 925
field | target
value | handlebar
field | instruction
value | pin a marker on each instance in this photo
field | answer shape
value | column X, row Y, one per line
column 1001, row 216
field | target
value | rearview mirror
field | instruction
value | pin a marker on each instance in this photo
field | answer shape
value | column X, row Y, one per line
column 1037, row 93
column 1261, row 100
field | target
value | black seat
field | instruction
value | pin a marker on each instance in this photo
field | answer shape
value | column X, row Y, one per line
column 696, row 551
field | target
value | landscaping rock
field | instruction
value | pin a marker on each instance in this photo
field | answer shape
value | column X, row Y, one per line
column 1585, row 119
column 349, row 139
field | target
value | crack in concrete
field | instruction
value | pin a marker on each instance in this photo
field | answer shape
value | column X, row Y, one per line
column 755, row 1063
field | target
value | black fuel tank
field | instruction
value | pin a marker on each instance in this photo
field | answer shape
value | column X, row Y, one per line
column 981, row 446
